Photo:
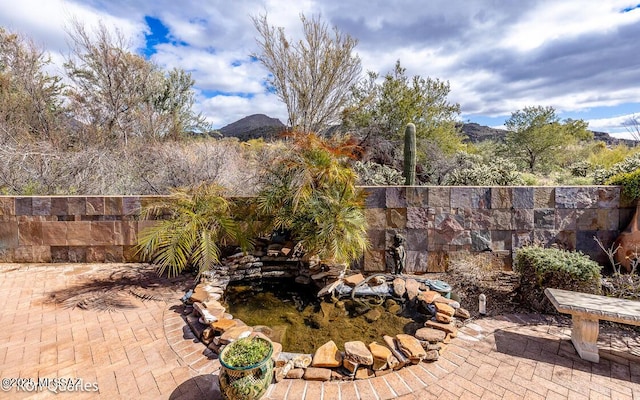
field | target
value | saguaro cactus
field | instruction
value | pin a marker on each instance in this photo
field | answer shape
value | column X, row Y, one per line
column 410, row 154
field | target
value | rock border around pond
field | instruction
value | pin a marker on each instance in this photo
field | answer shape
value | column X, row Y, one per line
column 210, row 322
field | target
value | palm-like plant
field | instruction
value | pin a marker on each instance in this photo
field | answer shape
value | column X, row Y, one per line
column 310, row 191
column 189, row 227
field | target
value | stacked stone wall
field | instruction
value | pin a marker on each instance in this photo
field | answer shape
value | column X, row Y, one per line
column 437, row 222
column 69, row 229
column 443, row 222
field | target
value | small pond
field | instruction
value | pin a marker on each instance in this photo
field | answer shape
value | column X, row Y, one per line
column 302, row 323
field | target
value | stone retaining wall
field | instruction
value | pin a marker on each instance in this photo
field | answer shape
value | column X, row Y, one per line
column 69, row 229
column 438, row 222
column 441, row 222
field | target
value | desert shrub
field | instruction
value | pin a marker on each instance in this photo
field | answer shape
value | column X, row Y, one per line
column 434, row 165
column 604, row 157
column 629, row 164
column 618, row 284
column 625, row 286
column 473, row 171
column 471, row 274
column 374, row 174
column 580, row 168
column 530, row 179
column 565, row 178
column 39, row 168
column 540, row 268
column 630, row 182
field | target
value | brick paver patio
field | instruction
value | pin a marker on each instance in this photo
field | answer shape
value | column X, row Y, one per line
column 119, row 328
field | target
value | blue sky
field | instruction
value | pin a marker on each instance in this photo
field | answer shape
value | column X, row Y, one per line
column 579, row 56
column 158, row 34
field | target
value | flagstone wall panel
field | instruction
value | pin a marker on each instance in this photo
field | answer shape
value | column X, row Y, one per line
column 437, row 223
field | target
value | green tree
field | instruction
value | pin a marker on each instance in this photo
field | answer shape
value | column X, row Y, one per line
column 384, row 108
column 167, row 110
column 311, row 76
column 188, row 229
column 30, row 99
column 310, row 191
column 536, row 137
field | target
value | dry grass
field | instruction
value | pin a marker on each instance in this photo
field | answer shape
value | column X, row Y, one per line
column 472, row 274
column 138, row 169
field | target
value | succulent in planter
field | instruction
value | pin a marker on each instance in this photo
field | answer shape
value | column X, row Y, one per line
column 246, row 352
column 246, row 369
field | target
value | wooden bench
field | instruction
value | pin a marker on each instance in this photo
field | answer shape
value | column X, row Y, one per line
column 586, row 310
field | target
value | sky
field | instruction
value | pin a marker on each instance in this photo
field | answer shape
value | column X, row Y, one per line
column 581, row 57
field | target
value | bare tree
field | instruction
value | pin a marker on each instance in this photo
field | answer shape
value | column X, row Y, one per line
column 632, row 125
column 30, row 99
column 118, row 94
column 311, row 76
column 168, row 108
column 107, row 81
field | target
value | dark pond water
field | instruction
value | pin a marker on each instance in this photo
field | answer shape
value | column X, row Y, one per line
column 302, row 323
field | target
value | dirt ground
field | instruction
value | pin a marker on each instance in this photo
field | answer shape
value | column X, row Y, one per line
column 501, row 291
column 474, row 275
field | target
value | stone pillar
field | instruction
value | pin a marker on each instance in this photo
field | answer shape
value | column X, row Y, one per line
column 584, row 336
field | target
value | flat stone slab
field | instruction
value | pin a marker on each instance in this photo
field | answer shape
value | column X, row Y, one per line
column 595, row 306
column 317, row 374
column 358, row 352
column 430, row 335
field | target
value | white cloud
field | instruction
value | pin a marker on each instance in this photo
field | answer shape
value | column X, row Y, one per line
column 214, row 71
column 498, row 57
column 552, row 20
column 620, row 126
column 222, row 110
column 45, row 21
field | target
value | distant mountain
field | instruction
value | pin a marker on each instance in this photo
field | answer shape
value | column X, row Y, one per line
column 261, row 126
column 477, row 133
column 253, row 127
column 608, row 139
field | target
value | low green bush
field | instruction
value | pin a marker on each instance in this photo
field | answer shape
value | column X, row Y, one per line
column 630, row 182
column 540, row 268
column 629, row 164
column 531, row 180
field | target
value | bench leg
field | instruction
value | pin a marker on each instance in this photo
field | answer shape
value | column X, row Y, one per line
column 584, row 336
